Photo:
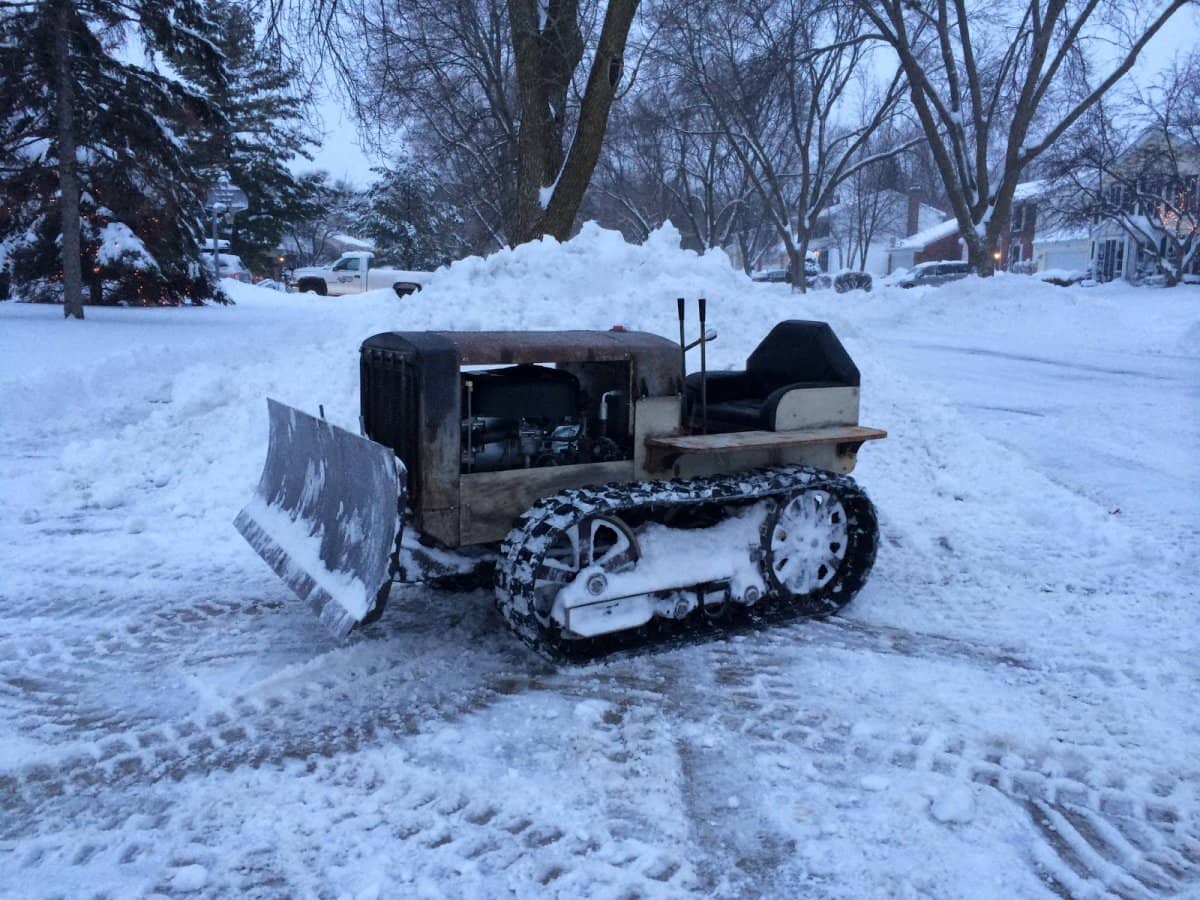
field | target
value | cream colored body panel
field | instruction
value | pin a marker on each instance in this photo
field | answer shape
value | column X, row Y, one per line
column 816, row 408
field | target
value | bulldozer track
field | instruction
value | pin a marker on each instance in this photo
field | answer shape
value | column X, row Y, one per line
column 530, row 537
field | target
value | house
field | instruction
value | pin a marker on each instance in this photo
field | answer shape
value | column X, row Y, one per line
column 1038, row 237
column 1041, row 235
column 1146, row 211
column 879, row 218
column 940, row 241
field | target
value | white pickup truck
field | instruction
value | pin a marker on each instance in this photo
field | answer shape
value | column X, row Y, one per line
column 353, row 274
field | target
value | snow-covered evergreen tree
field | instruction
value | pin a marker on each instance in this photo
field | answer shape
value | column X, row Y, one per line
column 411, row 225
column 261, row 130
column 94, row 149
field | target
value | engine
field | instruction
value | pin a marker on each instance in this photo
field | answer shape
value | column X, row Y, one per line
column 528, row 416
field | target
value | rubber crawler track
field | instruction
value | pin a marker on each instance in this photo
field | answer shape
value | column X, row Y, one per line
column 534, row 532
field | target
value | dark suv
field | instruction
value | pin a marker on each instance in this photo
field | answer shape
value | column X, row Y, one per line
column 938, row 272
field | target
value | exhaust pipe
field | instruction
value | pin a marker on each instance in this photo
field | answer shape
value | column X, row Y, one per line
column 703, row 371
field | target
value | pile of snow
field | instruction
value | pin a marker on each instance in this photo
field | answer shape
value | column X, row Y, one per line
column 595, row 280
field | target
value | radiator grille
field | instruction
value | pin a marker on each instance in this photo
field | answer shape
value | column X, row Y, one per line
column 388, row 386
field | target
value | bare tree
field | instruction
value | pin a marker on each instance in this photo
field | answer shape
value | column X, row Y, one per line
column 779, row 79
column 332, row 209
column 552, row 173
column 634, row 184
column 442, row 78
column 666, row 160
column 521, row 58
column 874, row 199
column 862, row 209
column 995, row 85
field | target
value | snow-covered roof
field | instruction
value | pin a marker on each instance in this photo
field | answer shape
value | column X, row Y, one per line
column 893, row 216
column 1062, row 236
column 927, row 236
column 1031, row 190
column 350, row 240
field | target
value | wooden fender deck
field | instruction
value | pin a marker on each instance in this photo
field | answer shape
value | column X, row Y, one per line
column 666, row 448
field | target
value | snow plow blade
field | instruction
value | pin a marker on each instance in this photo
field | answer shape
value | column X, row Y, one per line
column 326, row 515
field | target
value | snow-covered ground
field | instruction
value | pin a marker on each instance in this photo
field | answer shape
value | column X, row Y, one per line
column 1007, row 710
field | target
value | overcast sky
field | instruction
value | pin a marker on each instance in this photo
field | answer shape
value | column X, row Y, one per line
column 339, row 153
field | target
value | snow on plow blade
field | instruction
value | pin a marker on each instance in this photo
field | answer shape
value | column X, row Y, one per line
column 326, row 515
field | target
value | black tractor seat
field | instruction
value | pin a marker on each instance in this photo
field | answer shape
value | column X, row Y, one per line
column 795, row 355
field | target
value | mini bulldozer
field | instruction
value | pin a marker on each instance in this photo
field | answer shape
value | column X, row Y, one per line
column 609, row 497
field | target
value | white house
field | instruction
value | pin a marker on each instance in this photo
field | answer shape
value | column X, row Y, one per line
column 884, row 218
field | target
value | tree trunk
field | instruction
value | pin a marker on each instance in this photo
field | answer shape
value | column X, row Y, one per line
column 797, row 254
column 545, row 59
column 67, row 177
column 979, row 254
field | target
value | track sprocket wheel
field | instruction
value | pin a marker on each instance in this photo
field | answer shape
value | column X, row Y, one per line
column 603, row 541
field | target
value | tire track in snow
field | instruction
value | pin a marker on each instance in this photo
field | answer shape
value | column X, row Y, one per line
column 459, row 830
column 355, row 708
column 1094, row 835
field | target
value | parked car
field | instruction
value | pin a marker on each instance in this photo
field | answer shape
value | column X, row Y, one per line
column 773, row 276
column 936, row 272
column 229, row 265
column 812, row 275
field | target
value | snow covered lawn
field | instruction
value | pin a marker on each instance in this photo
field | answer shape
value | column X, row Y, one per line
column 1007, row 710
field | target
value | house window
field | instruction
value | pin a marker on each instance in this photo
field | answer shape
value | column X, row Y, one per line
column 1017, row 221
column 1109, row 259
column 1114, row 198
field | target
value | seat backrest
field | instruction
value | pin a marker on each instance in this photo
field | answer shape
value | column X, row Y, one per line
column 798, row 351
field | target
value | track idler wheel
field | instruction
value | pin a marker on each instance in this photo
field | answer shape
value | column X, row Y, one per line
column 818, row 545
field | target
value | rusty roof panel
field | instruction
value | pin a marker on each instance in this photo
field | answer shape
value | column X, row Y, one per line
column 507, row 347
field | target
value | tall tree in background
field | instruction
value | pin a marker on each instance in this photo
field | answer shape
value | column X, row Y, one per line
column 330, row 208
column 995, row 85
column 665, row 160
column 86, row 130
column 443, row 78
column 553, row 173
column 782, row 80
column 558, row 125
column 262, row 129
column 408, row 220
